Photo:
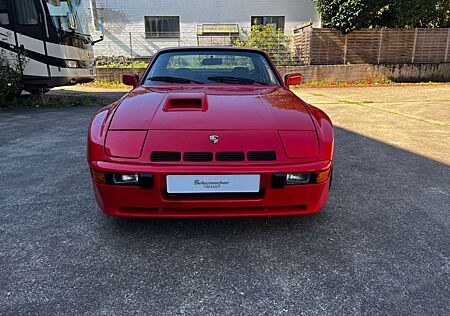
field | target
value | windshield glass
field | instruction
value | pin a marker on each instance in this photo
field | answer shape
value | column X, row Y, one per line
column 59, row 10
column 212, row 67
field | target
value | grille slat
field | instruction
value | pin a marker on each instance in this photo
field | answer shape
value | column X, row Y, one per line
column 198, row 156
column 230, row 156
column 160, row 156
column 262, row 155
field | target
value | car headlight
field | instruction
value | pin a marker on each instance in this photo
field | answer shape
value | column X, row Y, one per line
column 297, row 178
column 280, row 180
column 144, row 180
column 125, row 144
column 299, row 144
column 72, row 63
column 123, row 178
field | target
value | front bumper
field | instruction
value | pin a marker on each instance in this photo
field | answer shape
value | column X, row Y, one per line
column 134, row 201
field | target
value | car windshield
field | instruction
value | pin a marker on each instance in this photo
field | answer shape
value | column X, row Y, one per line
column 59, row 12
column 212, row 67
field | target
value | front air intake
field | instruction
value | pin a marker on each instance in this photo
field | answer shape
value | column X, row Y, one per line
column 261, row 155
column 161, row 156
column 230, row 156
column 198, row 156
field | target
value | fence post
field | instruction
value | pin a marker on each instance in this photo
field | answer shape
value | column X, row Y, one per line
column 131, row 45
column 415, row 44
column 310, row 46
column 379, row 46
column 448, row 45
column 345, row 49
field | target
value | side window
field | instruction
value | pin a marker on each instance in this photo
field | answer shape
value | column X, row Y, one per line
column 162, row 27
column 4, row 15
column 26, row 12
column 277, row 22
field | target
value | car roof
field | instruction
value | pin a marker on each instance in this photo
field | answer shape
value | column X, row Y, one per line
column 209, row 48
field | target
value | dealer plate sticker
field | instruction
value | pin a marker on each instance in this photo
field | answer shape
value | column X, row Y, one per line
column 243, row 183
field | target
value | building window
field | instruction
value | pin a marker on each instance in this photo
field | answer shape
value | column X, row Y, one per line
column 162, row 27
column 4, row 16
column 277, row 22
column 26, row 12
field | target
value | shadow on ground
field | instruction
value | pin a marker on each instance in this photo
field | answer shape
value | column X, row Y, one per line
column 380, row 245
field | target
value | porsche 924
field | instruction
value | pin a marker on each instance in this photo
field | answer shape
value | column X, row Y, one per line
column 210, row 132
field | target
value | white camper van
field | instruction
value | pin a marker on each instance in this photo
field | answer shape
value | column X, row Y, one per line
column 52, row 37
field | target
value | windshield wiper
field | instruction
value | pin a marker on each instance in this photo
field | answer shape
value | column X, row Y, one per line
column 171, row 79
column 239, row 80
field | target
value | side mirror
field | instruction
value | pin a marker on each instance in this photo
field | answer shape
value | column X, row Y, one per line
column 102, row 32
column 130, row 80
column 71, row 21
column 293, row 79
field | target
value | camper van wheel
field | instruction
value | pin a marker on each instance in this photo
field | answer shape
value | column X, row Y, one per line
column 38, row 91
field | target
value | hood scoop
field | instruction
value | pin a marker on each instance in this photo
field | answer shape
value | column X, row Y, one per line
column 186, row 102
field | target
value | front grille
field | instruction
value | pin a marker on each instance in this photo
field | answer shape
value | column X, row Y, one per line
column 198, row 156
column 175, row 156
column 261, row 155
column 230, row 156
column 160, row 156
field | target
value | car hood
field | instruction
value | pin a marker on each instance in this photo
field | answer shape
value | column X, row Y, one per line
column 211, row 108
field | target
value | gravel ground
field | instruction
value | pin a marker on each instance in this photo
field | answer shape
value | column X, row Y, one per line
column 381, row 245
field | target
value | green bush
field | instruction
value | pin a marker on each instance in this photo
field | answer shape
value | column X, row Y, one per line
column 10, row 77
column 266, row 38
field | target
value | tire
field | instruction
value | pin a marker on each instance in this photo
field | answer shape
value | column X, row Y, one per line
column 38, row 91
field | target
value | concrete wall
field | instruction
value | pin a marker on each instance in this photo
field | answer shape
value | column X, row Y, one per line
column 122, row 17
column 371, row 73
column 344, row 73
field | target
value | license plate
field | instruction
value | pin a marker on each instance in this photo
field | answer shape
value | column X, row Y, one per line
column 243, row 183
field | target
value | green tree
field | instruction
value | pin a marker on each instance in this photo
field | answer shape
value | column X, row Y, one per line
column 349, row 15
column 10, row 77
column 421, row 13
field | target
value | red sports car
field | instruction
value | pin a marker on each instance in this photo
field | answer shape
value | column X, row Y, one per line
column 210, row 132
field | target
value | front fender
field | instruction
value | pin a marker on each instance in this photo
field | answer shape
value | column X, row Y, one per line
column 325, row 132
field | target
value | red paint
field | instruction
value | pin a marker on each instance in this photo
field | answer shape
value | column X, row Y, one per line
column 181, row 118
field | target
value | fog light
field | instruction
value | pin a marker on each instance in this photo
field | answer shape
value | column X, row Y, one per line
column 123, row 178
column 297, row 178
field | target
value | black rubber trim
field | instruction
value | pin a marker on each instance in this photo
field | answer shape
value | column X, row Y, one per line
column 146, row 181
column 278, row 180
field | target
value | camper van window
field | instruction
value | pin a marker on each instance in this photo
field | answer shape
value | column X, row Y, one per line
column 4, row 16
column 26, row 12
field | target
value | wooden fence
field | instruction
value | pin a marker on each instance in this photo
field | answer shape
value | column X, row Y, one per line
column 372, row 46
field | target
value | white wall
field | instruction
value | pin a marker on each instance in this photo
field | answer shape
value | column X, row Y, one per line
column 122, row 17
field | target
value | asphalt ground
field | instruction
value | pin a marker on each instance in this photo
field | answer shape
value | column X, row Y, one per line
column 380, row 246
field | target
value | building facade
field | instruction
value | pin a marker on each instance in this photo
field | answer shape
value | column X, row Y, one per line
column 140, row 27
